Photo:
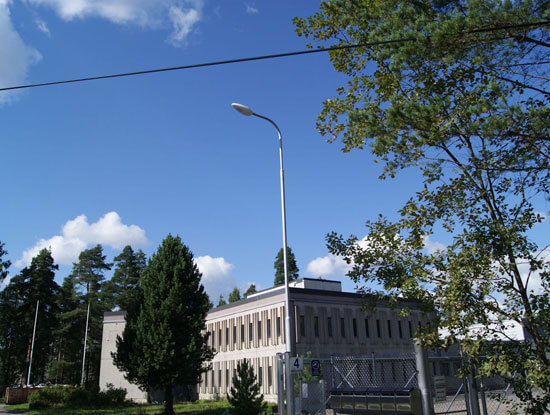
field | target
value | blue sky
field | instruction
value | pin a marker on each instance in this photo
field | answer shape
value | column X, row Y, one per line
column 130, row 160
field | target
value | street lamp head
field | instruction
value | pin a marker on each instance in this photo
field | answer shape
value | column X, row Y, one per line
column 243, row 109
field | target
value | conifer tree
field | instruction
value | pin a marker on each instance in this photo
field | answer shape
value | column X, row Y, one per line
column 4, row 264
column 279, row 267
column 163, row 342
column 234, row 295
column 128, row 267
column 88, row 272
column 244, row 394
column 221, row 301
column 250, row 290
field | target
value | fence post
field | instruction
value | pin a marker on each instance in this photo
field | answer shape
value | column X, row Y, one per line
column 424, row 378
column 280, row 385
column 474, row 397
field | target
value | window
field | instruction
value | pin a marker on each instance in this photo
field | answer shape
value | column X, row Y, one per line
column 378, row 328
column 220, row 337
column 420, row 325
column 269, row 378
column 250, row 332
column 400, row 329
column 329, row 327
column 393, row 374
column 342, row 327
column 259, row 330
column 389, row 328
column 302, row 326
column 410, row 329
column 268, row 328
column 445, row 368
column 260, row 375
column 234, row 334
column 219, row 378
column 367, row 331
column 354, row 327
column 213, row 338
column 227, row 378
column 227, row 336
column 242, row 332
column 278, row 326
column 316, row 326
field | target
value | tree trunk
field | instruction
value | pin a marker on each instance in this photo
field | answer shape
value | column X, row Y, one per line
column 168, row 400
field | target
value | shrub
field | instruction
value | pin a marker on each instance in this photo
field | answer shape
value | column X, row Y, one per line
column 49, row 397
column 76, row 396
column 112, row 396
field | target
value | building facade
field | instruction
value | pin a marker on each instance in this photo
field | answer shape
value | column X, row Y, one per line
column 324, row 322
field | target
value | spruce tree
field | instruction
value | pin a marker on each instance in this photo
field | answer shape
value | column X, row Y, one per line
column 244, row 394
column 279, row 267
column 234, row 295
column 163, row 343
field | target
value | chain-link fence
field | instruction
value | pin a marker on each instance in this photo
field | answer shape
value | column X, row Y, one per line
column 452, row 393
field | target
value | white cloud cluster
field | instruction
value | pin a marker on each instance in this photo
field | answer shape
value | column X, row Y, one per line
column 327, row 266
column 251, row 9
column 216, row 276
column 77, row 234
column 17, row 57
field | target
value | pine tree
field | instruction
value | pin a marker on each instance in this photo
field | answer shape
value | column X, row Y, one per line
column 243, row 395
column 251, row 290
column 89, row 274
column 221, row 301
column 234, row 295
column 163, row 343
column 4, row 264
column 120, row 288
column 280, row 269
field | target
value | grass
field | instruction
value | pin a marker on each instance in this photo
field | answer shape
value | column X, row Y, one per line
column 185, row 408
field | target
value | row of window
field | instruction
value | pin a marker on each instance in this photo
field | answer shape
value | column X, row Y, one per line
column 213, row 378
column 330, row 331
column 218, row 341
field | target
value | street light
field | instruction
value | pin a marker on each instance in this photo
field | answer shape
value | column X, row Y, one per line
column 243, row 109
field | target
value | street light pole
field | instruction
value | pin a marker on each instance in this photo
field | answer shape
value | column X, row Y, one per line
column 289, row 386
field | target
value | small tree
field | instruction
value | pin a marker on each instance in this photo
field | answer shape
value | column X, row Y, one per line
column 4, row 265
column 234, row 295
column 280, row 267
column 243, row 395
column 221, row 301
column 250, row 290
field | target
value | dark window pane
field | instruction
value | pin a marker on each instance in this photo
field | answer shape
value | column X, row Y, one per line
column 342, row 327
column 329, row 326
column 316, row 326
column 367, row 331
column 389, row 328
column 354, row 327
column 378, row 328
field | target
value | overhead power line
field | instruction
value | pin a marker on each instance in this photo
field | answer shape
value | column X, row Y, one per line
column 263, row 57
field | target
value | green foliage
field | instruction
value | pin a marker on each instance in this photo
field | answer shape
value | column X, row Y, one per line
column 4, row 264
column 234, row 295
column 128, row 267
column 250, row 290
column 244, row 394
column 465, row 105
column 221, row 301
column 164, row 334
column 71, row 396
column 280, row 268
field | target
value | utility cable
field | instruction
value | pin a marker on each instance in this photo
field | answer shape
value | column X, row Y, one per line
column 263, row 57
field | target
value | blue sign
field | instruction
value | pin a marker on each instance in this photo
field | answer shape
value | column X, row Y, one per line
column 315, row 368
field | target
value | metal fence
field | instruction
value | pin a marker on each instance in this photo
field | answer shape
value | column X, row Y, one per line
column 451, row 392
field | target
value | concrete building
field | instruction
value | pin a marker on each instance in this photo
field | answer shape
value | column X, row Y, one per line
column 325, row 321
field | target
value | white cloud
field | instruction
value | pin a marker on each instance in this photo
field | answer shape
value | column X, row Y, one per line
column 42, row 26
column 330, row 265
column 183, row 15
column 183, row 22
column 17, row 57
column 251, row 9
column 533, row 280
column 77, row 234
column 432, row 246
column 216, row 276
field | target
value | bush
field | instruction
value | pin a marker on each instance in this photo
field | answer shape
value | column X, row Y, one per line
column 76, row 396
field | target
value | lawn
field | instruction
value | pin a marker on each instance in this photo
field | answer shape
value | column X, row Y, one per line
column 187, row 408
